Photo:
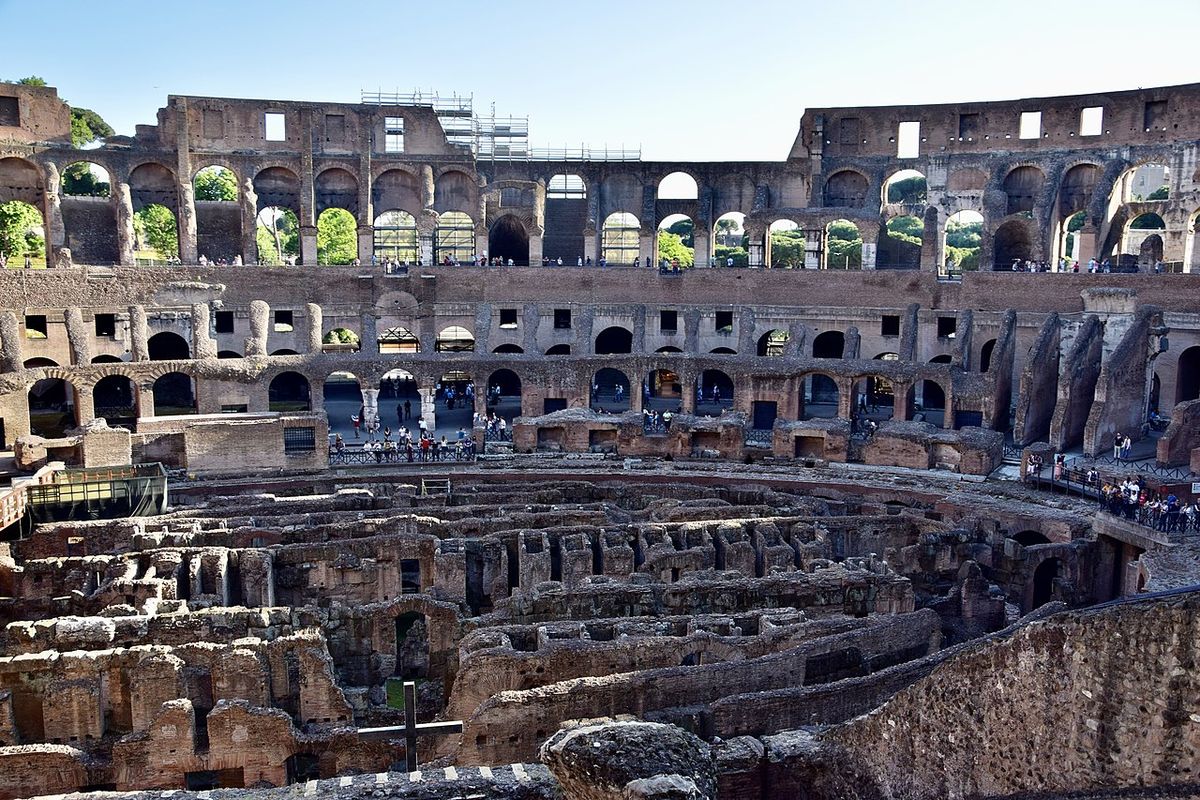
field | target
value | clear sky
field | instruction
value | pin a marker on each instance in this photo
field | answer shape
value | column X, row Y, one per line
column 700, row 80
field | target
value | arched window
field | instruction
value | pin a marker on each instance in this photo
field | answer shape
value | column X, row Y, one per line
column 396, row 237
column 454, row 238
column 619, row 238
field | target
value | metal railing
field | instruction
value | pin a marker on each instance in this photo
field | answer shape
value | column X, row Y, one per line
column 349, row 458
column 493, row 434
column 757, row 437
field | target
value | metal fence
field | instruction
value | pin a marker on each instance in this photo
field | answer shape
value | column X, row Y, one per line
column 758, row 438
column 351, row 458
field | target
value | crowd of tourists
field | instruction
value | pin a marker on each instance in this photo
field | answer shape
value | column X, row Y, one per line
column 1069, row 265
column 1132, row 500
column 495, row 429
column 423, row 447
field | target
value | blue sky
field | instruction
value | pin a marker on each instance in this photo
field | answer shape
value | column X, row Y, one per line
column 693, row 80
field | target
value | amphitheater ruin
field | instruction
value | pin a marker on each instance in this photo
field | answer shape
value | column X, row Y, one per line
column 824, row 524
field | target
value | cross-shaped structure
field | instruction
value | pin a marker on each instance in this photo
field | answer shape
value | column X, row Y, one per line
column 411, row 729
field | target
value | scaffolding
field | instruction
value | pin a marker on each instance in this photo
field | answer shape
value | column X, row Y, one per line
column 491, row 138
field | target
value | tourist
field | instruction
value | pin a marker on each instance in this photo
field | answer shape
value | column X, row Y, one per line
column 579, row 261
column 1117, row 443
column 407, row 409
column 355, row 421
column 1126, row 446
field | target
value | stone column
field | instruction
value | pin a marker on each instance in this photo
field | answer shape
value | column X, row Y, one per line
column 648, row 247
column 85, row 405
column 308, row 244
column 11, row 357
column 315, row 319
column 122, row 200
column 369, row 337
column 78, row 337
column 901, row 411
column 249, row 201
column 308, row 219
column 366, row 243
column 846, row 397
column 535, row 247
column 145, row 399
column 203, row 345
column 256, row 342
column 56, row 231
column 139, row 334
column 426, row 228
column 869, row 250
column 428, row 409
column 187, row 223
column 589, row 245
column 370, row 398
column 702, row 248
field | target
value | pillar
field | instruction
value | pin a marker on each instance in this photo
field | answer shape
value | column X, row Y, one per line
column 145, row 399
column 315, row 320
column 1085, row 247
column 869, row 251
column 249, row 201
column 366, row 243
column 187, row 223
column 203, row 345
column 687, row 389
column 757, row 239
column 702, row 247
column 11, row 344
column 901, row 411
column 647, row 247
column 428, row 409
column 846, row 397
column 122, row 200
column 589, row 245
column 139, row 334
column 256, row 342
column 370, row 398
column 308, row 244
column 535, row 247
column 56, row 231
column 78, row 337
column 85, row 405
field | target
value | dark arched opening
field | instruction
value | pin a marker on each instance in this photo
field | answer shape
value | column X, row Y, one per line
column 830, row 344
column 115, row 400
column 985, row 355
column 168, row 346
column 508, row 240
column 1030, row 538
column 714, row 392
column 1187, row 381
column 1043, row 582
column 51, row 408
column 559, row 350
column 614, row 340
column 174, row 393
column 509, row 348
column 610, row 391
column 504, row 394
column 289, row 391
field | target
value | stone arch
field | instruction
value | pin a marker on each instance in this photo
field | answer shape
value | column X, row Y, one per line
column 1022, row 187
column 678, row 185
column 1076, row 188
column 559, row 350
column 53, row 407
column 397, row 189
column 21, row 180
column 714, row 392
column 829, row 344
column 846, row 188
column 906, row 186
column 663, row 391
column 820, row 396
column 509, row 348
column 454, row 339
column 152, row 183
column 774, row 342
column 168, row 346
column 504, row 394
column 454, row 238
column 289, row 392
column 218, row 213
column 508, row 239
column 1013, row 241
column 610, row 391
column 454, row 190
column 1187, row 377
column 174, row 394
column 1044, row 576
column 614, row 340
column 278, row 187
column 396, row 237
column 620, row 238
column 1030, row 538
column 336, row 187
column 115, row 399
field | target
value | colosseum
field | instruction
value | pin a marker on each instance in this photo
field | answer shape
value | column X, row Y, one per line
column 867, row 473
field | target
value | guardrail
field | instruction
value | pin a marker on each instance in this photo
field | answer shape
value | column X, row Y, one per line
column 756, row 437
column 350, row 458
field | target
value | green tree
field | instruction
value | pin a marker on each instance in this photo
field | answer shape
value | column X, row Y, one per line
column 21, row 230
column 78, row 179
column 155, row 228
column 87, row 126
column 964, row 234
column 337, row 237
column 907, row 190
column 726, row 229
column 671, row 247
column 1148, row 222
column 1161, row 193
column 685, row 229
column 286, row 224
column 32, row 80
column 787, row 249
column 216, row 184
column 739, row 255
column 341, row 336
column 907, row 229
column 843, row 245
